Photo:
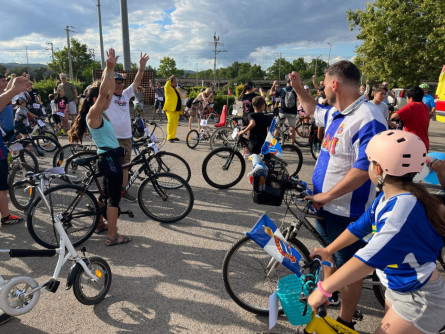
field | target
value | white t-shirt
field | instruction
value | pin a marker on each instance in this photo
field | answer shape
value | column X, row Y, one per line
column 383, row 107
column 53, row 107
column 119, row 113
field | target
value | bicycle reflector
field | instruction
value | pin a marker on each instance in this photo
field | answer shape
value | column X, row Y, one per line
column 98, row 273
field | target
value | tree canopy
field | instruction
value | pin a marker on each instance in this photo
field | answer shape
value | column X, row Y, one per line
column 403, row 41
column 167, row 68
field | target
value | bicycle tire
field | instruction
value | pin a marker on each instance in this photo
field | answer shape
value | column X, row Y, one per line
column 192, row 139
column 302, row 132
column 168, row 162
column 87, row 291
column 20, row 198
column 315, row 145
column 40, row 221
column 221, row 137
column 221, row 161
column 279, row 135
column 293, row 157
column 251, row 290
column 66, row 151
column 378, row 289
column 47, row 133
column 178, row 200
column 28, row 159
column 47, row 143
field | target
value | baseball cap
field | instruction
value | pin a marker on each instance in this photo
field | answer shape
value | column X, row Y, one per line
column 424, row 86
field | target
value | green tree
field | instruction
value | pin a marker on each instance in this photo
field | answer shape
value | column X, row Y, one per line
column 403, row 41
column 274, row 71
column 81, row 60
column 167, row 67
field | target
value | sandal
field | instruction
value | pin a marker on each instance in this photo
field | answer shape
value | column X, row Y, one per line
column 115, row 241
column 101, row 228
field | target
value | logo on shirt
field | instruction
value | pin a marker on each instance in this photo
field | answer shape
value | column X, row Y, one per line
column 120, row 103
column 329, row 143
column 340, row 129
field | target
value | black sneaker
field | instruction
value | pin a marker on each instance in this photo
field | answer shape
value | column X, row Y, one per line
column 129, row 197
column 335, row 299
column 175, row 139
column 351, row 324
column 5, row 318
column 171, row 140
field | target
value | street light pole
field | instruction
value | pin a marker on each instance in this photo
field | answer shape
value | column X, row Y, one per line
column 125, row 35
column 70, row 61
column 329, row 57
column 102, row 56
column 27, row 63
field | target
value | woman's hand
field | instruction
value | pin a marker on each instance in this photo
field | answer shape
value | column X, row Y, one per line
column 143, row 61
column 111, row 59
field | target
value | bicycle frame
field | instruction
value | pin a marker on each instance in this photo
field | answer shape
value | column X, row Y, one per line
column 327, row 325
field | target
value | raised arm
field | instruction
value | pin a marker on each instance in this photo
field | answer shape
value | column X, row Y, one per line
column 106, row 90
column 314, row 83
column 18, row 85
column 306, row 100
column 140, row 74
column 272, row 89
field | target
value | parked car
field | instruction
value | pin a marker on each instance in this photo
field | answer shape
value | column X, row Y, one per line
column 399, row 100
column 439, row 97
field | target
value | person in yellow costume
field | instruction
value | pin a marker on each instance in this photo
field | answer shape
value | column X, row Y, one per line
column 172, row 107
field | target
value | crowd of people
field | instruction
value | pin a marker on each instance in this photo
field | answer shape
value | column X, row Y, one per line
column 359, row 156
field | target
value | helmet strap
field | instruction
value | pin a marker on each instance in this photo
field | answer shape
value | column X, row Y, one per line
column 380, row 182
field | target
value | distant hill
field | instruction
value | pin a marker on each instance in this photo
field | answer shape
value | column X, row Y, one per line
column 11, row 66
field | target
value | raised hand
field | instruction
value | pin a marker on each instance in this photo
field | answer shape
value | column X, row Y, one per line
column 295, row 79
column 143, row 61
column 111, row 58
column 19, row 84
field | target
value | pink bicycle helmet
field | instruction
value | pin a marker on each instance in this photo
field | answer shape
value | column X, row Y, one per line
column 397, row 152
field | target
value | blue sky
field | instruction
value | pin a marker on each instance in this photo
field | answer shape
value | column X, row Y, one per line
column 252, row 31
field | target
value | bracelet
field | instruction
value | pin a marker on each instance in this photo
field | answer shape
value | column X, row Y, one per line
column 108, row 76
column 328, row 295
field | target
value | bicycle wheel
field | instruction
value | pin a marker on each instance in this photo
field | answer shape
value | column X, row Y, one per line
column 20, row 197
column 160, row 136
column 302, row 133
column 221, row 137
column 165, row 197
column 251, row 275
column 85, row 289
column 65, row 152
column 27, row 159
column 50, row 134
column 47, row 143
column 294, row 158
column 77, row 173
column 379, row 289
column 79, row 216
column 223, row 168
column 192, row 139
column 167, row 162
column 279, row 135
column 315, row 148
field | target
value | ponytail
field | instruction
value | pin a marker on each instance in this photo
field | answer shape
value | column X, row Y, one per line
column 75, row 134
column 429, row 202
column 248, row 86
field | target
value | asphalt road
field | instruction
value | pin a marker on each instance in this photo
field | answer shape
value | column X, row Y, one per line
column 169, row 278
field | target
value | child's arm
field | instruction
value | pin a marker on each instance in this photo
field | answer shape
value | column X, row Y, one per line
column 247, row 128
column 31, row 114
column 439, row 167
column 343, row 240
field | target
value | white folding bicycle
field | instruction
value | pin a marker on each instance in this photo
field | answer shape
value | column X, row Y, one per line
column 89, row 277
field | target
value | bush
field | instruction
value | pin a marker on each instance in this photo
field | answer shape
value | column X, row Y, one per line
column 46, row 87
column 238, row 90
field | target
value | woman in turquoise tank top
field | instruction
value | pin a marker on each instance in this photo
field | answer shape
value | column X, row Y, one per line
column 92, row 115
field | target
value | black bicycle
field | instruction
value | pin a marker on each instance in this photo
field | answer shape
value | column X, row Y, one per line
column 164, row 197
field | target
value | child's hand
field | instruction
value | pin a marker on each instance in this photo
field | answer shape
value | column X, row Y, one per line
column 321, row 252
column 438, row 166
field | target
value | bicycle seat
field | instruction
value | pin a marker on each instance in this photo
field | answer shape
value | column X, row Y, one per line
column 85, row 161
column 140, row 142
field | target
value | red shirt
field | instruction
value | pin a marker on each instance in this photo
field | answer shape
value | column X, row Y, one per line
column 416, row 119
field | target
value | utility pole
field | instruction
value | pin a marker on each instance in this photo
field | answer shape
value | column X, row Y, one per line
column 279, row 70
column 27, row 64
column 329, row 57
column 50, row 47
column 216, row 43
column 102, row 55
column 92, row 53
column 70, row 61
column 125, row 35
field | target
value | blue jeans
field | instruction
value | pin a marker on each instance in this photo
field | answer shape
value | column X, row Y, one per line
column 330, row 228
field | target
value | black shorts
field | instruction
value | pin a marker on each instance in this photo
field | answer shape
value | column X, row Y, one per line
column 110, row 167
column 56, row 118
column 159, row 103
column 4, row 174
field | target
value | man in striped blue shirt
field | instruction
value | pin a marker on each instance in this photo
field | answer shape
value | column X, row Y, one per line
column 342, row 187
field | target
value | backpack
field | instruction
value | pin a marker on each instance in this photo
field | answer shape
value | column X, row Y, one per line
column 290, row 99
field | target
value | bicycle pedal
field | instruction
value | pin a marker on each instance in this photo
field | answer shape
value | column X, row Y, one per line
column 52, row 285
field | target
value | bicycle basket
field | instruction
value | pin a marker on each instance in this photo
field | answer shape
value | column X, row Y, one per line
column 289, row 291
column 269, row 190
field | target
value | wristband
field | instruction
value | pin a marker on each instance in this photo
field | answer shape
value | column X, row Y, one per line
column 327, row 295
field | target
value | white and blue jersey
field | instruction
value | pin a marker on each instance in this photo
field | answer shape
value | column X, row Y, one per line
column 404, row 246
column 347, row 134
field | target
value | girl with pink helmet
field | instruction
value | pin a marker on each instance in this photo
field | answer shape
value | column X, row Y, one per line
column 407, row 226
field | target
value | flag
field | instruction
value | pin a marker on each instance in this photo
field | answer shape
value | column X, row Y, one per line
column 229, row 92
column 271, row 144
column 266, row 234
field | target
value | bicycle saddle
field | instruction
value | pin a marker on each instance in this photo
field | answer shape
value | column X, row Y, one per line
column 85, row 161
